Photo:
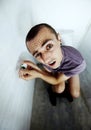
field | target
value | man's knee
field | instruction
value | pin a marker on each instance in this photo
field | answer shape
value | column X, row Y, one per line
column 75, row 94
column 74, row 84
column 59, row 88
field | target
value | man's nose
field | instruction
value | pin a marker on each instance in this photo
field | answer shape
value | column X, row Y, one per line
column 46, row 57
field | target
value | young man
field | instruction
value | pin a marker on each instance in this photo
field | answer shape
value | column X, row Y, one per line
column 61, row 63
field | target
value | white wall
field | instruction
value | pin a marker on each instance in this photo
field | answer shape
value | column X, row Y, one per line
column 62, row 14
column 15, row 94
column 16, row 18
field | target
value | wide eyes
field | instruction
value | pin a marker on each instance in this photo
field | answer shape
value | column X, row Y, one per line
column 49, row 46
column 37, row 55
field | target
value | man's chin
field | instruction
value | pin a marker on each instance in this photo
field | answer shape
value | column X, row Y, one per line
column 54, row 67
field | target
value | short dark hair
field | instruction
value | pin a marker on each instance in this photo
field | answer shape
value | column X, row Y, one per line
column 35, row 29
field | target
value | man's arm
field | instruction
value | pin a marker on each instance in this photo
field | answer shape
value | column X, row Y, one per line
column 53, row 79
column 36, row 72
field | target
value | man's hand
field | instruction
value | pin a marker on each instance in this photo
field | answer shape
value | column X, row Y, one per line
column 31, row 72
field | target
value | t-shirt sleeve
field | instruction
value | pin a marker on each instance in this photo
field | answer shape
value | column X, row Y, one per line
column 73, row 62
column 76, row 70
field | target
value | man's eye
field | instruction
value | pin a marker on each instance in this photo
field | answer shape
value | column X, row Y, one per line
column 38, row 55
column 49, row 46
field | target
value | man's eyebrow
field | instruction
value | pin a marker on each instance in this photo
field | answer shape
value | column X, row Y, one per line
column 44, row 42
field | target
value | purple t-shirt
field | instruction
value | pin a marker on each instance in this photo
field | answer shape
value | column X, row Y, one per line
column 72, row 63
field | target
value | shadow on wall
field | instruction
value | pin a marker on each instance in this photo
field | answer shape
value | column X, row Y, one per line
column 85, row 49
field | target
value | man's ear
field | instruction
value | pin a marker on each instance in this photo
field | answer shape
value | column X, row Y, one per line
column 59, row 37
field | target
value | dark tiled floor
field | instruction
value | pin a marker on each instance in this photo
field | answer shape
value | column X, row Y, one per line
column 65, row 115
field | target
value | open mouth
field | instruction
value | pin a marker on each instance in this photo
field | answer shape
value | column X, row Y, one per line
column 52, row 63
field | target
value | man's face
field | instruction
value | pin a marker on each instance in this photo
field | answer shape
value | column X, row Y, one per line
column 45, row 47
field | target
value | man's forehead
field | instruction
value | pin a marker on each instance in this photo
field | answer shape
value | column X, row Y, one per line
column 32, row 46
column 35, row 45
column 43, row 36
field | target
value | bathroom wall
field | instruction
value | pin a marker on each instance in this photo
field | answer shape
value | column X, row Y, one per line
column 16, row 95
column 72, row 15
column 71, row 18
